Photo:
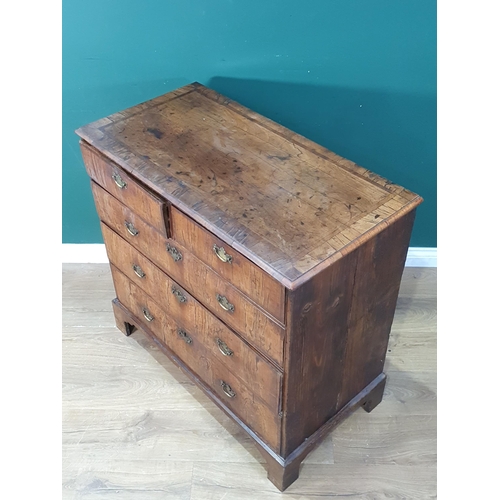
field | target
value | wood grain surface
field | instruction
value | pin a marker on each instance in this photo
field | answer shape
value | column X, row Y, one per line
column 340, row 321
column 201, row 281
column 250, row 279
column 126, row 189
column 135, row 427
column 244, row 363
column 284, row 202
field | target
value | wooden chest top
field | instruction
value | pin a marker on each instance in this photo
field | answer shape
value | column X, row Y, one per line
column 287, row 204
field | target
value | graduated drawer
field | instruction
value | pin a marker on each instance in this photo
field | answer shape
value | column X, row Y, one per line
column 238, row 392
column 217, row 338
column 226, row 261
column 207, row 286
column 126, row 189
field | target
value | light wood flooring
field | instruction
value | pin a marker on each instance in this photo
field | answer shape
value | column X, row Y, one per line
column 135, row 427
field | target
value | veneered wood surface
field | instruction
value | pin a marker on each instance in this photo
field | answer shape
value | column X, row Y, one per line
column 250, row 279
column 246, row 318
column 339, row 324
column 264, row 420
column 264, row 333
column 123, row 314
column 332, row 233
column 245, row 363
column 284, row 202
column 375, row 287
column 142, row 201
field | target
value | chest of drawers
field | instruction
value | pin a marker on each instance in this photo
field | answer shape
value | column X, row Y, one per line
column 263, row 265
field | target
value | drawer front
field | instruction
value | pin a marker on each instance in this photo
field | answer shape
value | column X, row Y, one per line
column 227, row 302
column 189, row 346
column 123, row 187
column 226, row 261
column 216, row 337
column 209, row 288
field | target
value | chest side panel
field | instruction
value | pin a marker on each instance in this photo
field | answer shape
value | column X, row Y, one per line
column 338, row 329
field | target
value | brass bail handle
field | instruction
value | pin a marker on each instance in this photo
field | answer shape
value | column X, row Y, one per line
column 131, row 228
column 224, row 303
column 228, row 391
column 221, row 253
column 147, row 314
column 119, row 181
column 137, row 270
column 223, row 348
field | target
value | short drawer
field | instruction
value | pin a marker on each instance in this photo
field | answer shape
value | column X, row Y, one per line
column 126, row 189
column 238, row 393
column 224, row 300
column 263, row 289
column 217, row 338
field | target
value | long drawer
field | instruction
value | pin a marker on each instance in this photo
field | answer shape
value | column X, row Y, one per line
column 189, row 344
column 224, row 344
column 223, row 299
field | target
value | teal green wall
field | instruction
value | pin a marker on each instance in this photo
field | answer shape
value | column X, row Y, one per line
column 358, row 77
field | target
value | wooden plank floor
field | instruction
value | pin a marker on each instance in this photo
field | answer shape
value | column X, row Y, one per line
column 135, row 427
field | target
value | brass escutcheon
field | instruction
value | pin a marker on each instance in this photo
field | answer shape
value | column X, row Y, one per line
column 119, row 181
column 224, row 303
column 184, row 336
column 179, row 295
column 176, row 255
column 221, row 253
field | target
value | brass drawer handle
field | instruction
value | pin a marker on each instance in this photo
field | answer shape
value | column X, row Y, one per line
column 179, row 295
column 176, row 255
column 131, row 228
column 227, row 389
column 119, row 181
column 224, row 303
column 221, row 253
column 223, row 348
column 147, row 314
column 137, row 270
column 184, row 336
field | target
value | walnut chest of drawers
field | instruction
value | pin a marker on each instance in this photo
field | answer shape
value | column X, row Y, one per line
column 264, row 265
